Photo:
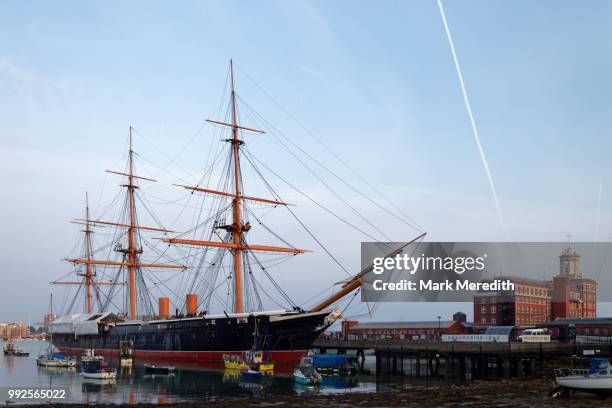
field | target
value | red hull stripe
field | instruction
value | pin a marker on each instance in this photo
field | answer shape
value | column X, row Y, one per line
column 279, row 357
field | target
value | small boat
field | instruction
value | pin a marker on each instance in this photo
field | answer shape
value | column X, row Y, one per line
column 153, row 368
column 56, row 360
column 9, row 348
column 332, row 363
column 234, row 362
column 51, row 359
column 94, row 367
column 254, row 360
column 306, row 373
column 126, row 354
column 19, row 352
column 597, row 379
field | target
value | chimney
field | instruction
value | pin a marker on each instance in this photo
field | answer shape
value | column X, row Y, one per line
column 192, row 304
column 164, row 308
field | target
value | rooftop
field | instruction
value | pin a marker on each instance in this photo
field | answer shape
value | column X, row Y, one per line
column 583, row 320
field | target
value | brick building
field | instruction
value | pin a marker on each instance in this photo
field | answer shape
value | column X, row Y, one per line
column 573, row 295
column 13, row 331
column 406, row 330
column 528, row 305
column 534, row 302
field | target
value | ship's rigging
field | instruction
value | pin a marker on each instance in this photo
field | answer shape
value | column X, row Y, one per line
column 215, row 253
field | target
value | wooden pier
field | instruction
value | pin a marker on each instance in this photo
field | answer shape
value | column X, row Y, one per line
column 458, row 360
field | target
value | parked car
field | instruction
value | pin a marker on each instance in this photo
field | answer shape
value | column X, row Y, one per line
column 534, row 336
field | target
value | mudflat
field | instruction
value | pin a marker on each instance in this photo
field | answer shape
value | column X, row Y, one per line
column 505, row 393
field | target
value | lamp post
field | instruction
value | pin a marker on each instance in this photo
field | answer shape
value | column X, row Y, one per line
column 439, row 324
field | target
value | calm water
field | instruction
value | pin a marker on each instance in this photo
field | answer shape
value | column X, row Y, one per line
column 133, row 385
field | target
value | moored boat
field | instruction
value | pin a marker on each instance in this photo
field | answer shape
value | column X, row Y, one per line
column 56, row 360
column 19, row 352
column 126, row 354
column 96, row 368
column 53, row 359
column 157, row 369
column 306, row 373
column 597, row 379
column 253, row 360
column 9, row 348
column 332, row 363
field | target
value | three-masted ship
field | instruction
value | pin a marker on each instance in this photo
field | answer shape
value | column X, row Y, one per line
column 191, row 333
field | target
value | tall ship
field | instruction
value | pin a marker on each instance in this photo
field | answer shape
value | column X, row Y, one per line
column 214, row 261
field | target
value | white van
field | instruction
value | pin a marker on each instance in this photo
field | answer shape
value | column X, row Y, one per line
column 534, row 336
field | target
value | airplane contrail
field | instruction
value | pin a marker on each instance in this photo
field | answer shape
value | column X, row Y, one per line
column 485, row 163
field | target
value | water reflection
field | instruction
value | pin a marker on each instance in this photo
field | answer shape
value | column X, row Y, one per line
column 134, row 385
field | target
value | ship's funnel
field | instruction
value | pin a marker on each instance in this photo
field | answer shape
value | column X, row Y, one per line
column 164, row 308
column 192, row 304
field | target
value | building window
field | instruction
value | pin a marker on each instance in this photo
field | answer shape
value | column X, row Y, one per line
column 493, row 321
column 483, row 320
column 483, row 309
column 493, row 309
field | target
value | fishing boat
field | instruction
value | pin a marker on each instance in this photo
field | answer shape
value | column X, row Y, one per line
column 306, row 373
column 94, row 367
column 252, row 360
column 597, row 379
column 126, row 354
column 9, row 348
column 256, row 359
column 211, row 320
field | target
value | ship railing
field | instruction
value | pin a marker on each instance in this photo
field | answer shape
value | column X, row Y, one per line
column 571, row 372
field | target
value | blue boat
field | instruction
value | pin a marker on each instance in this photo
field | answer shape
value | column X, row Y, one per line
column 330, row 360
column 332, row 363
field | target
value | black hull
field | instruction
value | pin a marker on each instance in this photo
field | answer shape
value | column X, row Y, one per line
column 203, row 338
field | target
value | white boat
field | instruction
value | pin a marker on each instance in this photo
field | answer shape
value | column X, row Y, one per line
column 51, row 359
column 306, row 373
column 102, row 374
column 56, row 360
column 597, row 379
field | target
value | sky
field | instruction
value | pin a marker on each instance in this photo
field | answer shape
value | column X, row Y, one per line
column 375, row 82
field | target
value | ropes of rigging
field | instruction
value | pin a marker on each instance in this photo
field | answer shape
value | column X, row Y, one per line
column 408, row 220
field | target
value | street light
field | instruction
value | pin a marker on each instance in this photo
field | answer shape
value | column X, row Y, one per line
column 439, row 334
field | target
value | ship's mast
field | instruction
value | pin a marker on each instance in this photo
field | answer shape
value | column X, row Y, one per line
column 132, row 251
column 238, row 243
column 131, row 234
column 89, row 273
column 88, row 269
column 237, row 222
